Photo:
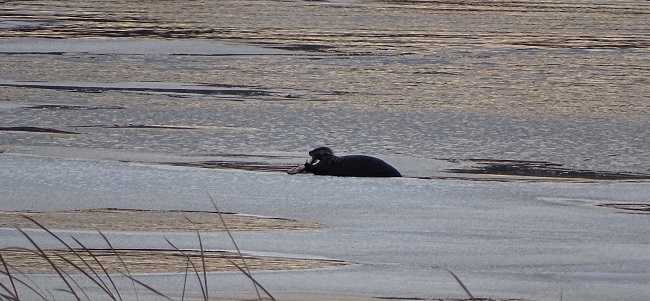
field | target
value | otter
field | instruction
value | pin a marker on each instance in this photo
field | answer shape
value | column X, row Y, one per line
column 324, row 162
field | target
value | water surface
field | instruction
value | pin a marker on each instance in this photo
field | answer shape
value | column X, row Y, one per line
column 525, row 80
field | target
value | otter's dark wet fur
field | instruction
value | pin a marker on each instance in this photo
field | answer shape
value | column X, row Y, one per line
column 324, row 162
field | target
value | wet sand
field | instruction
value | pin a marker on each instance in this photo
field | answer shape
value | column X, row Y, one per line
column 151, row 260
column 149, row 220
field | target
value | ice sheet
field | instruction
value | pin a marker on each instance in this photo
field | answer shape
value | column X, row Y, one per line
column 505, row 240
column 134, row 46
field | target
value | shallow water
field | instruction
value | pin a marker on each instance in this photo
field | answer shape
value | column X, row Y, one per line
column 526, row 80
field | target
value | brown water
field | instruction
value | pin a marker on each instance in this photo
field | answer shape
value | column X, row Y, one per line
column 567, row 82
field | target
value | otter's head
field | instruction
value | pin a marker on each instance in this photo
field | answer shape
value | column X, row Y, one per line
column 320, row 152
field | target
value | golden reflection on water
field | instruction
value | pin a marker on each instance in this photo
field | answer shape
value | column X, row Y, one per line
column 392, row 27
column 502, row 66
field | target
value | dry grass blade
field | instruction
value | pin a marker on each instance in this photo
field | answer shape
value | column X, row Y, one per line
column 205, row 271
column 100, row 266
column 110, row 246
column 30, row 287
column 205, row 274
column 14, row 294
column 92, row 268
column 223, row 221
column 252, row 279
column 100, row 283
column 33, row 286
column 128, row 274
column 461, row 284
column 196, row 271
column 75, row 283
column 51, row 263
column 153, row 290
column 187, row 268
column 9, row 295
column 80, row 269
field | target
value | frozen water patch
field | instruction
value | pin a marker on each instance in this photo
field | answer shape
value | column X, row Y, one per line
column 11, row 23
column 131, row 46
column 10, row 106
column 400, row 231
column 570, row 201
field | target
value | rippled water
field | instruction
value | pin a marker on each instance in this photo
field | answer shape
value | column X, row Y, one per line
column 567, row 82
